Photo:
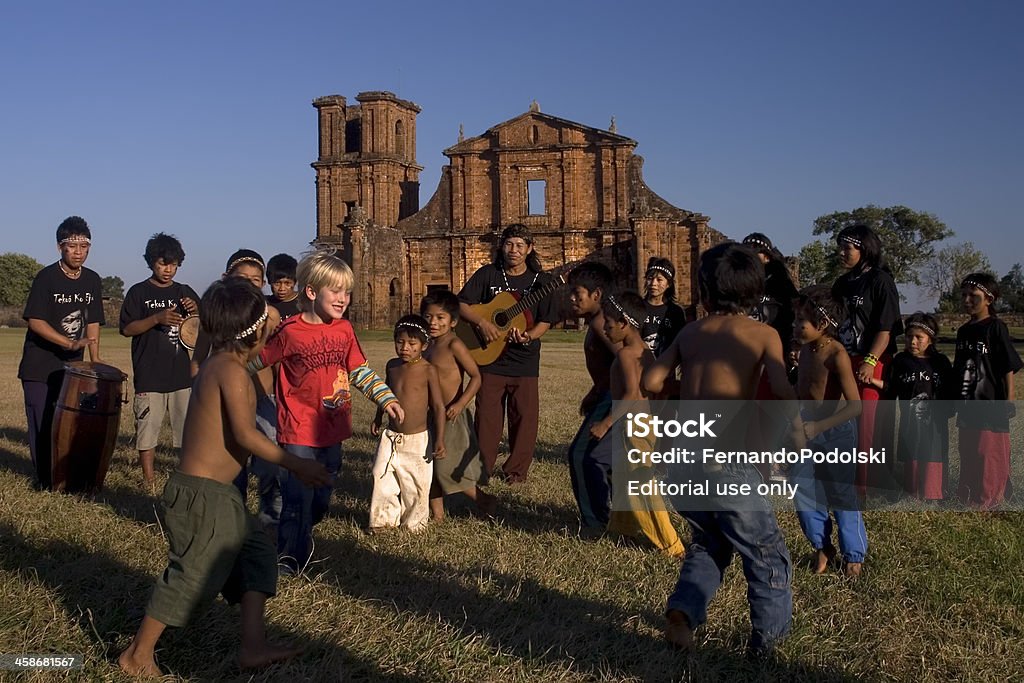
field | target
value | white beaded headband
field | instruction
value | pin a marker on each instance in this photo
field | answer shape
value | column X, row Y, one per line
column 852, row 240
column 758, row 242
column 829, row 319
column 629, row 319
column 245, row 259
column 76, row 239
column 414, row 326
column 663, row 269
column 985, row 290
column 928, row 330
column 256, row 325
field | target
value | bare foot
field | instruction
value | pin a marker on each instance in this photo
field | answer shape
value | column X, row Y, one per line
column 852, row 570
column 265, row 655
column 436, row 519
column 822, row 559
column 133, row 666
column 678, row 632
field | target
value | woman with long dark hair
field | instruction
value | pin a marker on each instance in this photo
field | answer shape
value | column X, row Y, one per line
column 776, row 305
column 664, row 317
column 872, row 304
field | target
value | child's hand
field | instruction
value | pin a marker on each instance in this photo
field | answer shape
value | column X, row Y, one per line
column 865, row 373
column 439, row 451
column 453, row 411
column 312, row 473
column 169, row 317
column 375, row 428
column 599, row 430
column 810, row 430
column 395, row 412
column 190, row 306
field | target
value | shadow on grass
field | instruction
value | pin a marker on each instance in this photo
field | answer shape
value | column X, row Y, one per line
column 540, row 625
column 107, row 598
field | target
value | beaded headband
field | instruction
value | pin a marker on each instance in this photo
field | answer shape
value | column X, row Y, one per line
column 671, row 275
column 629, row 319
column 985, row 290
column 256, row 325
column 245, row 259
column 851, row 240
column 928, row 330
column 829, row 319
column 76, row 239
column 758, row 242
column 415, row 326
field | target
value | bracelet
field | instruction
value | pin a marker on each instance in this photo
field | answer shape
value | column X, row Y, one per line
column 871, row 360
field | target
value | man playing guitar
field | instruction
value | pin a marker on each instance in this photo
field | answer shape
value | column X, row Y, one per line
column 511, row 380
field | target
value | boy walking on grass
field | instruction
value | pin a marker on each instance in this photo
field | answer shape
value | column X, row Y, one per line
column 215, row 546
column 721, row 357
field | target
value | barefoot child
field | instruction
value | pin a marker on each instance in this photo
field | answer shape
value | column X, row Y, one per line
column 403, row 469
column 721, row 357
column 824, row 375
column 647, row 515
column 215, row 546
column 588, row 284
column 318, row 361
column 920, row 379
column 984, row 365
column 462, row 468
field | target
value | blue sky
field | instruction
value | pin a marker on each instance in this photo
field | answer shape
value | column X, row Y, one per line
column 195, row 118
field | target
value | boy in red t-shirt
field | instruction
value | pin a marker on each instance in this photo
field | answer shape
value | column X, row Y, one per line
column 318, row 359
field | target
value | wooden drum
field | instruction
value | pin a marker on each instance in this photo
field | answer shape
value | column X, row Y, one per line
column 85, row 425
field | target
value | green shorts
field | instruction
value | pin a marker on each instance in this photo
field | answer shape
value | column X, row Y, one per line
column 215, row 546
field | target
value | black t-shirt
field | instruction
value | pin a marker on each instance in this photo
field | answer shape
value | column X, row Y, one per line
column 68, row 305
column 776, row 305
column 921, row 378
column 872, row 306
column 159, row 362
column 518, row 360
column 286, row 308
column 984, row 354
column 661, row 325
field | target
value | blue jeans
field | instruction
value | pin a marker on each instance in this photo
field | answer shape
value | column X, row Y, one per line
column 303, row 507
column 756, row 537
column 829, row 487
column 590, row 476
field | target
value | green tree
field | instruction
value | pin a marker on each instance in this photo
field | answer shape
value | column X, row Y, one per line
column 945, row 270
column 908, row 237
column 1012, row 290
column 818, row 264
column 113, row 287
column 16, row 274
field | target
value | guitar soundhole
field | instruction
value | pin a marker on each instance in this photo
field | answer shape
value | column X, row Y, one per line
column 501, row 320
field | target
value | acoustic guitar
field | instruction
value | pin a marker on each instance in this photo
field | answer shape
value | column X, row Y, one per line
column 505, row 311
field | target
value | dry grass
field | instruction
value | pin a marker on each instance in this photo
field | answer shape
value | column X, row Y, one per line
column 522, row 600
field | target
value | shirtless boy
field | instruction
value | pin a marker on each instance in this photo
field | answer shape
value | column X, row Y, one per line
column 462, row 468
column 403, row 469
column 721, row 357
column 235, row 557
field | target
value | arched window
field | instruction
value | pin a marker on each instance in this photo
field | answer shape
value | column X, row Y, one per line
column 534, row 135
column 393, row 287
column 400, row 137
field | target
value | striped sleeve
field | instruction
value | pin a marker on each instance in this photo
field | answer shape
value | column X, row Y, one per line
column 371, row 386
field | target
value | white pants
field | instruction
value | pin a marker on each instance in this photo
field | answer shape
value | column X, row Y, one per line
column 402, row 472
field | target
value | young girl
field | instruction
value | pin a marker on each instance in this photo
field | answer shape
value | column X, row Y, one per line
column 824, row 376
column 984, row 364
column 776, row 305
column 462, row 470
column 919, row 378
column 868, row 330
column 404, row 468
column 663, row 317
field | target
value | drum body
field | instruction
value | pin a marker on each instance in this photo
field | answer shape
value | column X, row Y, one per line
column 85, row 425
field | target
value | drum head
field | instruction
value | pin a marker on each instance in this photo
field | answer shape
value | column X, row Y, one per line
column 188, row 332
column 95, row 370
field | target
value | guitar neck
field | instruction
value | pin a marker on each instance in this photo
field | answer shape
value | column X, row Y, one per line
column 535, row 296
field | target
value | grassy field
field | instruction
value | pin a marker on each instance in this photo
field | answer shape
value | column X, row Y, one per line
column 524, row 599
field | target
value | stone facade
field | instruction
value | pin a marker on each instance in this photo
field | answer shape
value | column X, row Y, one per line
column 579, row 189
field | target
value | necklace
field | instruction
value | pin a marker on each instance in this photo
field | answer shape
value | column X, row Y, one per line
column 413, row 362
column 508, row 287
column 73, row 274
column 819, row 347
